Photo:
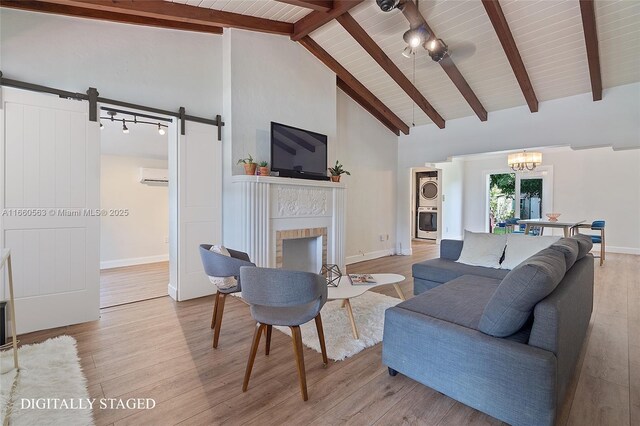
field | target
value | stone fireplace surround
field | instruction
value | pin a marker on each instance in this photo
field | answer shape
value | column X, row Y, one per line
column 273, row 209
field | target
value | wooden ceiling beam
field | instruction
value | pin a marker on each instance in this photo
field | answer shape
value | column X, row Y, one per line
column 415, row 18
column 368, row 44
column 366, row 105
column 159, row 9
column 500, row 25
column 62, row 9
column 315, row 20
column 587, row 10
column 318, row 5
column 353, row 83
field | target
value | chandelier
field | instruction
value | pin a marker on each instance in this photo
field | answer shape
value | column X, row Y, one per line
column 520, row 161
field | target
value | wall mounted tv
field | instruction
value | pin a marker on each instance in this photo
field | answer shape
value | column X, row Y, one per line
column 298, row 153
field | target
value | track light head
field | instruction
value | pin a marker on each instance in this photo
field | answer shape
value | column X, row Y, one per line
column 437, row 49
column 125, row 129
column 101, row 126
column 387, row 5
column 161, row 130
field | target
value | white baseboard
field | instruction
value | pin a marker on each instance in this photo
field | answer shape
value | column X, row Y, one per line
column 106, row 264
column 620, row 250
column 173, row 291
column 369, row 256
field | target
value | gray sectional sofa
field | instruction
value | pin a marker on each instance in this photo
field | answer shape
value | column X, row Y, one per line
column 503, row 342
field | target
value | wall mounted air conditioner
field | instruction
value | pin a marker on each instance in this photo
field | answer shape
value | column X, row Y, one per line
column 154, row 176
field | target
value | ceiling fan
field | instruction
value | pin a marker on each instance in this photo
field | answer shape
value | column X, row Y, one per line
column 420, row 36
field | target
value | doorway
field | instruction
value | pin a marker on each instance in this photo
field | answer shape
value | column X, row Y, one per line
column 134, row 207
column 513, row 195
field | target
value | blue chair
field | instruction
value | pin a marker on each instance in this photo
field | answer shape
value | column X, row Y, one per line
column 513, row 225
column 283, row 298
column 219, row 265
column 596, row 225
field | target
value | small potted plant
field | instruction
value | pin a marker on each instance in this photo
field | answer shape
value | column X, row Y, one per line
column 249, row 165
column 336, row 171
column 264, row 170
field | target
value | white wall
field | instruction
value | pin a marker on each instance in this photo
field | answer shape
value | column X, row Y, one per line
column 588, row 184
column 268, row 78
column 140, row 236
column 369, row 151
column 576, row 121
column 151, row 66
column 452, row 178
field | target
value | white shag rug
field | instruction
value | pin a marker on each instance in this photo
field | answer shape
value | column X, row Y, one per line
column 50, row 375
column 368, row 311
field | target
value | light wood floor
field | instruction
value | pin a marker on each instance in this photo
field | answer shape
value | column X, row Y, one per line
column 133, row 283
column 162, row 349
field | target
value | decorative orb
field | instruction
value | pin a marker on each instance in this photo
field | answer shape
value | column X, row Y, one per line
column 332, row 274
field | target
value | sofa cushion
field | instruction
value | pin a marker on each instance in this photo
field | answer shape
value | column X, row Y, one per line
column 518, row 293
column 443, row 270
column 482, row 249
column 460, row 301
column 521, row 247
column 584, row 244
column 569, row 248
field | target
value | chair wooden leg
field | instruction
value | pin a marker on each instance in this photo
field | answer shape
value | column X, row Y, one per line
column 216, row 333
column 252, row 355
column 215, row 311
column 267, row 345
column 602, row 247
column 323, row 348
column 296, row 338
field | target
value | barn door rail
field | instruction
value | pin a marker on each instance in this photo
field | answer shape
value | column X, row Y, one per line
column 93, row 97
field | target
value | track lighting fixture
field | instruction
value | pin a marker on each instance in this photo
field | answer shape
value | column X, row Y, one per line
column 113, row 113
column 437, row 49
column 387, row 5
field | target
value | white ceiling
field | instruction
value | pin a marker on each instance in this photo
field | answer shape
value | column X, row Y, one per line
column 548, row 33
column 143, row 140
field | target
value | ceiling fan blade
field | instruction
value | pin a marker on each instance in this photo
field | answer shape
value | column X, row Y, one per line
column 460, row 51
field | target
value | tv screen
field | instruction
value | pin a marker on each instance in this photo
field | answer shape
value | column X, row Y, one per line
column 298, row 151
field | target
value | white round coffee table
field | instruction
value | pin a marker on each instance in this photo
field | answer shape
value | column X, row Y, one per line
column 346, row 290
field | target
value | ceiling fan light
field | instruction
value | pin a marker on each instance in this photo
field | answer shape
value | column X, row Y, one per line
column 408, row 52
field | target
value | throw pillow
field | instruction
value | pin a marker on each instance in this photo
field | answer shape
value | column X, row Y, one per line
column 223, row 283
column 482, row 249
column 584, row 245
column 569, row 248
column 519, row 292
column 521, row 247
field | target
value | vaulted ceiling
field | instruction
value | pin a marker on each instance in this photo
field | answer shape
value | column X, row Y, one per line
column 551, row 45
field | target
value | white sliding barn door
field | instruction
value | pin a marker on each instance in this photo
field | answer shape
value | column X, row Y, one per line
column 51, row 168
column 199, row 207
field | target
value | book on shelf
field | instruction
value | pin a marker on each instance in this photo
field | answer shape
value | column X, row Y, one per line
column 362, row 279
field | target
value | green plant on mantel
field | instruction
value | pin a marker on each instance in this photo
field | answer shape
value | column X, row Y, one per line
column 248, row 160
column 263, row 164
column 338, row 170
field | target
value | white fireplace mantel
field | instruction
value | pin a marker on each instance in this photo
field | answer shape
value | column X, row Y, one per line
column 271, row 204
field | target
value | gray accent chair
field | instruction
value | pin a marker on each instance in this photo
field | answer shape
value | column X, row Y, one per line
column 219, row 265
column 283, row 298
column 505, row 346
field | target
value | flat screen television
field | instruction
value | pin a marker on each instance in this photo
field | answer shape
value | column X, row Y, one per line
column 298, row 153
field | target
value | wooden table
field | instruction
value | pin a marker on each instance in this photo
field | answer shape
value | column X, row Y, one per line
column 346, row 290
column 566, row 225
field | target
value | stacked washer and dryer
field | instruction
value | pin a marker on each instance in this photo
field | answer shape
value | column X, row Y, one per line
column 427, row 212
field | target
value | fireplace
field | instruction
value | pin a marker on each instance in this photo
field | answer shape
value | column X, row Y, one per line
column 291, row 223
column 301, row 249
